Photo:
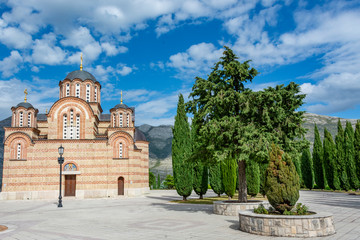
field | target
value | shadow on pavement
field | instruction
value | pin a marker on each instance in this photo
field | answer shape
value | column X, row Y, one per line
column 184, row 207
column 234, row 224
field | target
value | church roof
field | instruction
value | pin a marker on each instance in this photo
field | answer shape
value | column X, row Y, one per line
column 139, row 135
column 41, row 117
column 25, row 105
column 83, row 75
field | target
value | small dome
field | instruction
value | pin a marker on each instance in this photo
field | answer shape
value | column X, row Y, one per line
column 25, row 105
column 121, row 105
column 83, row 75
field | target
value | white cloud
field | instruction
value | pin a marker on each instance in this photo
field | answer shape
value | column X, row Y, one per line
column 15, row 38
column 10, row 64
column 45, row 51
column 124, row 70
column 112, row 50
column 198, row 58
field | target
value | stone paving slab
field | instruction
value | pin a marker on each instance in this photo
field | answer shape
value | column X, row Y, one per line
column 152, row 217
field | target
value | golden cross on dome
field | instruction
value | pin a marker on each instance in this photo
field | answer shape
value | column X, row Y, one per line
column 121, row 97
column 81, row 62
column 46, row 111
column 26, row 93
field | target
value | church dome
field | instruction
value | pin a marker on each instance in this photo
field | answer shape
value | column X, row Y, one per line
column 25, row 105
column 83, row 75
column 121, row 105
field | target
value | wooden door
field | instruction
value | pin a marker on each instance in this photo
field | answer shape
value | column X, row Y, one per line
column 120, row 186
column 70, row 185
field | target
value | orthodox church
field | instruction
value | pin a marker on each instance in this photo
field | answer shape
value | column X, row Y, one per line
column 105, row 155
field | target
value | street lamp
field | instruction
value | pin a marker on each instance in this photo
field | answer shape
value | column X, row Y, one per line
column 61, row 161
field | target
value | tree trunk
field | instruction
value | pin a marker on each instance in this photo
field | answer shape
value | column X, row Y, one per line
column 242, row 181
column 229, row 198
column 218, row 195
column 184, row 198
column 201, row 196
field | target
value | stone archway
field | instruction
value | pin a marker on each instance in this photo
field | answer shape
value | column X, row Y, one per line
column 121, row 186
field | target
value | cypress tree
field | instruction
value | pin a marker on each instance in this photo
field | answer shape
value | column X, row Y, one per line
column 253, row 178
column 158, row 184
column 350, row 155
column 331, row 172
column 181, row 150
column 263, row 167
column 216, row 179
column 307, row 168
column 200, row 179
column 340, row 157
column 228, row 169
column 357, row 148
column 318, row 160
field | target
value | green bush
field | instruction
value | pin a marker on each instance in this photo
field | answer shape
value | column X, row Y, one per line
column 169, row 182
column 282, row 181
column 301, row 209
column 261, row 209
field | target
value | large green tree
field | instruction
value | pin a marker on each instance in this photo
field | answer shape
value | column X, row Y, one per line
column 350, row 156
column 357, row 148
column 307, row 168
column 240, row 124
column 181, row 150
column 340, row 157
column 329, row 158
column 318, row 160
column 215, row 178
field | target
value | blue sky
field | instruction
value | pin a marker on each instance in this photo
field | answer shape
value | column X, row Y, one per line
column 153, row 50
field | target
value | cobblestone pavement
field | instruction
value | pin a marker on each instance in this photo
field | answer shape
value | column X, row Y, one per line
column 152, row 217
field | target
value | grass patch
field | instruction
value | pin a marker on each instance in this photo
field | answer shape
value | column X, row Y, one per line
column 210, row 200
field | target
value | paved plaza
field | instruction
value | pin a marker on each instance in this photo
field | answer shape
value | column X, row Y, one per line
column 153, row 217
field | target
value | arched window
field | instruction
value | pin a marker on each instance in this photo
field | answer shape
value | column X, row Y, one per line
column 95, row 94
column 114, row 120
column 21, row 119
column 29, row 119
column 88, row 92
column 71, row 124
column 127, row 120
column 65, row 126
column 77, row 93
column 67, row 89
column 120, row 150
column 18, row 155
column 77, row 126
column 121, row 119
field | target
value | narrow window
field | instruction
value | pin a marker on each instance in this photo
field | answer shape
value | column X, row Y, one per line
column 121, row 119
column 77, row 94
column 29, row 119
column 71, row 124
column 67, row 90
column 14, row 119
column 21, row 119
column 95, row 94
column 88, row 92
column 78, row 126
column 120, row 150
column 18, row 151
column 114, row 120
column 65, row 126
column 127, row 120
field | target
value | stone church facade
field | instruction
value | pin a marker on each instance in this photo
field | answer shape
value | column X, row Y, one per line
column 105, row 155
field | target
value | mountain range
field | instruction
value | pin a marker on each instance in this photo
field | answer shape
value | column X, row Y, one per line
column 160, row 138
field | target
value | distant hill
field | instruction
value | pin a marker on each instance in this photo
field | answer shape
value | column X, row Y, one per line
column 160, row 138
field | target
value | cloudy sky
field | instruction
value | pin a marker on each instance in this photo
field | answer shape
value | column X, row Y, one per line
column 153, row 49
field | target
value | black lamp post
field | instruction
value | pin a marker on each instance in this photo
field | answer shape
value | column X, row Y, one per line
column 61, row 161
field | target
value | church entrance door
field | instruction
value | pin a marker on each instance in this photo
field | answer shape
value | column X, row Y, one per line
column 70, row 185
column 120, row 186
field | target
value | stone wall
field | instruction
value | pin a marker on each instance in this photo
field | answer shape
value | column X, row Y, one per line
column 316, row 225
column 232, row 208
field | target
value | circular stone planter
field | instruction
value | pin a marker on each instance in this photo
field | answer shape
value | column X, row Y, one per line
column 232, row 208
column 316, row 225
